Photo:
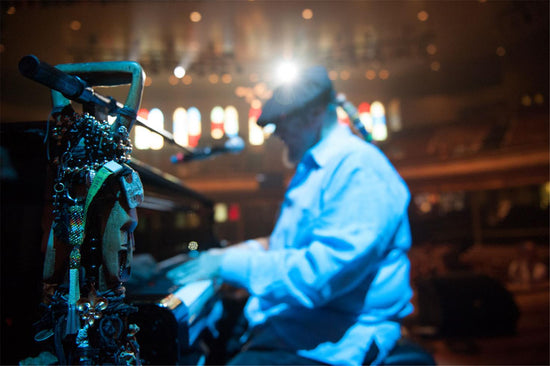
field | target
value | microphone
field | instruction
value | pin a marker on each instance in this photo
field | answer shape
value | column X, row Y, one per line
column 233, row 145
column 70, row 86
column 351, row 111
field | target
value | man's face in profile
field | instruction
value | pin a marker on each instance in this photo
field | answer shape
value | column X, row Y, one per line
column 118, row 242
column 298, row 132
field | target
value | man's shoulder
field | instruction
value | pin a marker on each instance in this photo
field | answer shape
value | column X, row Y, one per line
column 355, row 150
column 343, row 147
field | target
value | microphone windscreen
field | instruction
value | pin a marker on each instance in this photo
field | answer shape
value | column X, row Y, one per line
column 234, row 144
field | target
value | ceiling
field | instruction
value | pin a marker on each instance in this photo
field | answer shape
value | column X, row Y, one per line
column 410, row 48
column 457, row 64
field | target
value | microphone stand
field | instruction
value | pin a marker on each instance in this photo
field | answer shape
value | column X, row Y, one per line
column 66, row 86
column 353, row 114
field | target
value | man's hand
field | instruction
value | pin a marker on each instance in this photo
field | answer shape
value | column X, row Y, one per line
column 205, row 267
column 264, row 242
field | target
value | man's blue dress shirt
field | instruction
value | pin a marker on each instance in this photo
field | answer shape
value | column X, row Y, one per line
column 336, row 275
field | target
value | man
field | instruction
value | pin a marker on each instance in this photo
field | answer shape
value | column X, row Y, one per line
column 332, row 281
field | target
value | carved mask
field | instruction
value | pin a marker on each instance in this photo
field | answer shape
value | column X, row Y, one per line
column 118, row 227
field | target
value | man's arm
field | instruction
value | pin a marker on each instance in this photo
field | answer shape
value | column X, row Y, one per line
column 362, row 208
column 207, row 265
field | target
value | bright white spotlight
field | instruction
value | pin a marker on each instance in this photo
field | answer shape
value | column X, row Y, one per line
column 287, row 72
column 179, row 72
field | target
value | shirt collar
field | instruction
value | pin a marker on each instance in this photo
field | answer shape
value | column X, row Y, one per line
column 328, row 147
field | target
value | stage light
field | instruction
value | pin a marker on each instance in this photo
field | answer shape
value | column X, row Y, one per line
column 234, row 212
column 156, row 120
column 216, row 122
column 220, row 212
column 179, row 72
column 172, row 80
column 226, row 78
column 394, row 115
column 287, row 71
column 545, row 195
column 216, row 133
column 179, row 125
column 240, row 91
column 384, row 74
column 259, row 89
column 141, row 134
column 370, row 74
column 75, row 25
column 231, row 123
column 422, row 15
column 431, row 49
column 256, row 104
column 344, row 75
column 255, row 132
column 213, row 78
column 187, row 79
column 365, row 116
column 342, row 116
column 194, row 126
column 195, row 16
column 379, row 128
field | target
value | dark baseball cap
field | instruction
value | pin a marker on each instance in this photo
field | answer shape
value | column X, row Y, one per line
column 312, row 87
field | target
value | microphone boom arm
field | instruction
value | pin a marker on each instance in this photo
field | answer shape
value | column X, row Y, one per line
column 74, row 82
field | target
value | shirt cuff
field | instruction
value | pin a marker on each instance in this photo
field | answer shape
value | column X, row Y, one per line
column 235, row 266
